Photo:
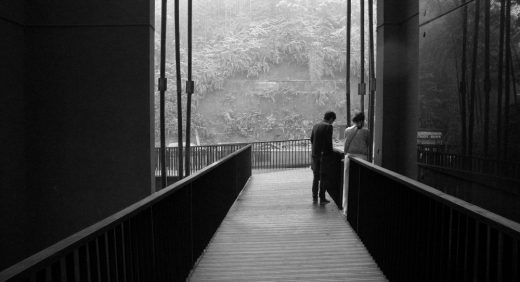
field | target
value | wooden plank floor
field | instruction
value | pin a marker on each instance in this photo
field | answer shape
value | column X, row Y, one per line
column 274, row 232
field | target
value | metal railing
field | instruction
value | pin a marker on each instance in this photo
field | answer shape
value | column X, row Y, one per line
column 469, row 163
column 265, row 155
column 281, row 154
column 201, row 157
column 156, row 239
column 417, row 233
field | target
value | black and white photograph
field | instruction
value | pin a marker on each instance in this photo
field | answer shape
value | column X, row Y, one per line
column 259, row 140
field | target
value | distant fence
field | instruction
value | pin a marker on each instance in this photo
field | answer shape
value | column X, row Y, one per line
column 417, row 233
column 201, row 157
column 281, row 154
column 469, row 163
column 297, row 153
column 156, row 239
column 265, row 155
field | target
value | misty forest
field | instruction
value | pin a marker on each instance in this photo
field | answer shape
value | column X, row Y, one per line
column 263, row 70
column 267, row 70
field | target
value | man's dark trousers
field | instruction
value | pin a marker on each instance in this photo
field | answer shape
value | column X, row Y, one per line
column 316, row 183
column 322, row 171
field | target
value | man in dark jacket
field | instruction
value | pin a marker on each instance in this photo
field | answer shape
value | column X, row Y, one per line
column 321, row 139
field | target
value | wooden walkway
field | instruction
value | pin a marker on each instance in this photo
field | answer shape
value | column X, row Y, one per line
column 274, row 232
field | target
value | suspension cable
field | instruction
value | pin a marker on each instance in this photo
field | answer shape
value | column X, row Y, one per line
column 361, row 88
column 162, row 88
column 372, row 78
column 189, row 92
column 347, row 67
column 179, row 88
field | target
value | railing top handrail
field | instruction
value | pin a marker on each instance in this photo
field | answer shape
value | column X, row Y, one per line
column 493, row 219
column 89, row 232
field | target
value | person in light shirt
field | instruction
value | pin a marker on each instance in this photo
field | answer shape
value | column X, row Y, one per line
column 356, row 145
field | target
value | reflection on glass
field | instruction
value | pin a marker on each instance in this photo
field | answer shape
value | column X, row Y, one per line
column 468, row 82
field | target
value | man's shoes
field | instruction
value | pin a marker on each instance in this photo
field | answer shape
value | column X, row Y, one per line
column 324, row 201
column 314, row 199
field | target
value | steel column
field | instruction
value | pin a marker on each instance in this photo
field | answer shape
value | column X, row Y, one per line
column 179, row 87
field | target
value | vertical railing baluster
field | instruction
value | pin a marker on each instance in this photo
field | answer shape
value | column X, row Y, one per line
column 277, row 157
column 427, row 248
column 488, row 254
column 150, row 244
column 107, row 257
column 450, row 246
column 77, row 273
column 265, row 157
column 276, row 151
column 515, row 275
column 115, row 254
column 209, row 152
column 292, row 154
column 500, row 258
column 273, row 159
column 98, row 259
column 130, row 251
column 283, row 157
column 48, row 273
column 281, row 152
column 476, row 251
column 63, row 269
column 466, row 250
column 138, row 262
column 88, row 267
column 123, row 245
column 440, row 230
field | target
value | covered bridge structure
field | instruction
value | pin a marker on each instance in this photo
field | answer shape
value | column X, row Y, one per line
column 79, row 199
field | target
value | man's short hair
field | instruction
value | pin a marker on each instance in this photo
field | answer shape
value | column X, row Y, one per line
column 359, row 117
column 329, row 115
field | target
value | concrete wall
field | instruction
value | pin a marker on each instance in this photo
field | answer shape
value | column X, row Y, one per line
column 87, row 107
column 13, row 189
column 396, row 116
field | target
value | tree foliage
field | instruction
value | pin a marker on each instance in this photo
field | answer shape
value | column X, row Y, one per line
column 237, row 38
